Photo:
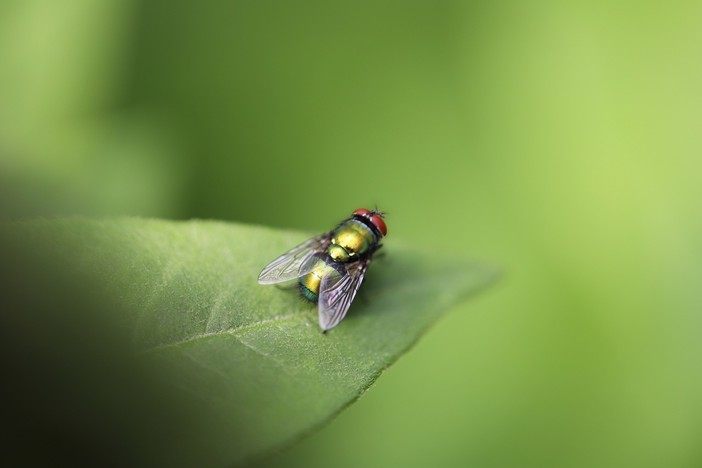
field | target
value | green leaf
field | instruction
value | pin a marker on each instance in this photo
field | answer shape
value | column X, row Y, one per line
column 246, row 363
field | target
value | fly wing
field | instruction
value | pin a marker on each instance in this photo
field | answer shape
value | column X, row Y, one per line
column 293, row 264
column 337, row 292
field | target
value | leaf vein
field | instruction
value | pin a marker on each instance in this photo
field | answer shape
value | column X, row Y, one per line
column 236, row 331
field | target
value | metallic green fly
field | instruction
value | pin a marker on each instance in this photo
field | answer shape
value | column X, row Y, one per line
column 330, row 268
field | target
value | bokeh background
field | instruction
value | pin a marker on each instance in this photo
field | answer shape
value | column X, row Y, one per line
column 560, row 140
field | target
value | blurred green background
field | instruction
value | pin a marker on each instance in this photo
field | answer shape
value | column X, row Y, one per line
column 562, row 141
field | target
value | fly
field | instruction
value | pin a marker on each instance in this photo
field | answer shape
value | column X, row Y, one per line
column 330, row 267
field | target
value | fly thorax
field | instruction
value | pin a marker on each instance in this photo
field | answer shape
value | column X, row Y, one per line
column 338, row 253
column 350, row 240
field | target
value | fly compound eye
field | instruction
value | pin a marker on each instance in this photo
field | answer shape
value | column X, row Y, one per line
column 378, row 222
column 360, row 212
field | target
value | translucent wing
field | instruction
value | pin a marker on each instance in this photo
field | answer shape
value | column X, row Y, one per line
column 337, row 292
column 293, row 264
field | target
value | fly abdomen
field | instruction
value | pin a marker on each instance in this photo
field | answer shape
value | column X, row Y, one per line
column 310, row 283
column 308, row 294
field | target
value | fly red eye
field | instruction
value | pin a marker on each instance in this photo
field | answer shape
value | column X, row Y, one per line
column 360, row 212
column 378, row 222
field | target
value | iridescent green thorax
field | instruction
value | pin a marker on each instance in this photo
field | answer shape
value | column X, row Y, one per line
column 351, row 240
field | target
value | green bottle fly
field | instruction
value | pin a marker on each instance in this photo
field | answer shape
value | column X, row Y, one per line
column 331, row 267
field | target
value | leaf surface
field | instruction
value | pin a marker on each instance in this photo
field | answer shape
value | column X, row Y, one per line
column 250, row 360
